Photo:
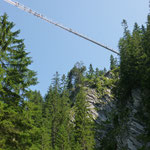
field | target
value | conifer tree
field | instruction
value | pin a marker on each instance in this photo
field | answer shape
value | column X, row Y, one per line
column 84, row 136
column 47, row 122
column 63, row 140
column 75, row 77
column 35, row 105
column 14, row 62
column 132, row 58
column 97, row 73
column 53, row 111
column 90, row 72
column 15, row 78
column 113, row 62
column 145, row 70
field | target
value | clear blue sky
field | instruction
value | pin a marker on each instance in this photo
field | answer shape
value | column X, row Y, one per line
column 53, row 49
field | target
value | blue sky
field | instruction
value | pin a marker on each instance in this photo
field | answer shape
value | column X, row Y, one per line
column 53, row 49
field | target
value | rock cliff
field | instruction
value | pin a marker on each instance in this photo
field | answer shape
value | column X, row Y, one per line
column 119, row 129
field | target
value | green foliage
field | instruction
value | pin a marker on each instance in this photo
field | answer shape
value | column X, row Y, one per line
column 84, row 135
column 133, row 61
column 14, row 63
column 62, row 121
column 113, row 62
column 90, row 74
column 15, row 77
column 56, row 115
column 34, row 111
column 64, row 131
column 134, row 73
column 26, row 120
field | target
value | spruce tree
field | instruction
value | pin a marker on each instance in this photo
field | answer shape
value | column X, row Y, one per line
column 35, row 106
column 84, row 135
column 47, row 122
column 16, row 78
column 90, row 72
column 113, row 62
column 145, row 69
column 14, row 62
column 75, row 77
column 63, row 140
column 132, row 59
column 53, row 111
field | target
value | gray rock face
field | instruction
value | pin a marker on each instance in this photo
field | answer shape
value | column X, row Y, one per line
column 100, row 109
column 132, row 128
column 92, row 100
column 129, row 138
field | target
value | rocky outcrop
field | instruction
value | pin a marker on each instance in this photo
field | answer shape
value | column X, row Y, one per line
column 133, row 128
column 130, row 130
column 100, row 108
column 92, row 100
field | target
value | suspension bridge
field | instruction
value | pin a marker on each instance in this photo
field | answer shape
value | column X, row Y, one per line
column 29, row 10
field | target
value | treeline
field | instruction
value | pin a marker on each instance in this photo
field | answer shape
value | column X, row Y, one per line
column 59, row 121
column 62, row 120
column 135, row 72
column 135, row 57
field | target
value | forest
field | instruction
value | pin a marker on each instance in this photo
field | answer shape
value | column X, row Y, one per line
column 62, row 119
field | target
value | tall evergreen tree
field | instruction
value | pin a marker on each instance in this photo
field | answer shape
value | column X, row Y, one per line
column 16, row 78
column 90, row 72
column 47, row 122
column 14, row 62
column 113, row 62
column 64, row 132
column 75, row 77
column 53, row 111
column 145, row 70
column 84, row 136
column 132, row 59
column 56, row 115
column 35, row 106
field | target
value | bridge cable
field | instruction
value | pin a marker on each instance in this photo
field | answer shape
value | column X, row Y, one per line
column 27, row 9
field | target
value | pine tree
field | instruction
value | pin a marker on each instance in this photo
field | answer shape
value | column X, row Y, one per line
column 75, row 77
column 35, row 106
column 90, row 72
column 145, row 69
column 47, row 122
column 14, row 62
column 113, row 62
column 132, row 58
column 97, row 73
column 53, row 111
column 84, row 136
column 16, row 79
column 63, row 140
